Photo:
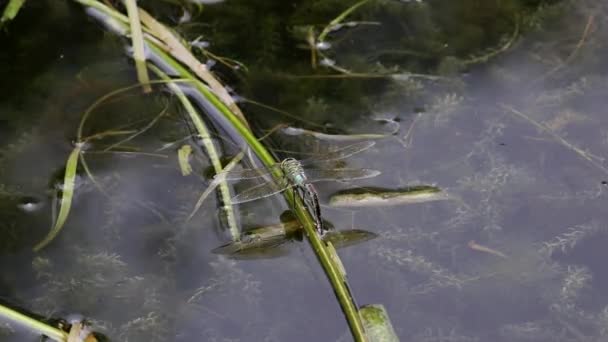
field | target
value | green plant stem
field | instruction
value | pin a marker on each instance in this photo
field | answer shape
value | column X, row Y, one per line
column 42, row 328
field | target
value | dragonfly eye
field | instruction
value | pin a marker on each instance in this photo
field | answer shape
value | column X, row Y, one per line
column 287, row 161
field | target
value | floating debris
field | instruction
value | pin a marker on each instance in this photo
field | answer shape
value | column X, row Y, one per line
column 80, row 331
column 372, row 196
column 480, row 248
column 183, row 157
column 30, row 204
column 377, row 323
column 323, row 46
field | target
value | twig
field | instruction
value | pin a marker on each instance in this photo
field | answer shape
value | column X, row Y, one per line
column 583, row 154
column 480, row 248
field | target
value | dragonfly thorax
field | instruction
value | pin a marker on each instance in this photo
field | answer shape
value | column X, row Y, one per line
column 294, row 171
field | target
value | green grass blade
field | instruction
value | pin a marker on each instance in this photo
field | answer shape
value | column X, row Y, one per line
column 205, row 136
column 138, row 45
column 66, row 198
column 10, row 11
column 216, row 181
column 53, row 333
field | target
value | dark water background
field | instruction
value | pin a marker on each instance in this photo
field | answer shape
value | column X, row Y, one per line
column 128, row 260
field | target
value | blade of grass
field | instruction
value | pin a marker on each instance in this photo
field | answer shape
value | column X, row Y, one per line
column 205, row 137
column 10, row 11
column 66, row 198
column 139, row 132
column 214, row 183
column 106, row 97
column 138, row 45
column 33, row 324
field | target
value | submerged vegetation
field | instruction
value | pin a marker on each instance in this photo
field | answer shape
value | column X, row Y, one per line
column 109, row 207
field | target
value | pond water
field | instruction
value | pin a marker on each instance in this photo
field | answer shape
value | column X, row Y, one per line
column 499, row 104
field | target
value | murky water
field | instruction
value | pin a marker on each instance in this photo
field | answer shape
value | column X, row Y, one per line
column 513, row 130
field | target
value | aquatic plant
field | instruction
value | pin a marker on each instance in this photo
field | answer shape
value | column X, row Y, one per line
column 568, row 240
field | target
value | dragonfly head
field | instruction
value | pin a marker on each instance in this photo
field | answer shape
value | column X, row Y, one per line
column 288, row 161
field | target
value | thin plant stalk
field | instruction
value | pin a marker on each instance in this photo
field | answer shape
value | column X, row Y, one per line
column 99, row 101
column 141, row 204
column 205, row 137
column 139, row 132
column 321, row 38
column 583, row 154
column 216, row 181
column 33, row 324
column 338, row 19
column 137, row 41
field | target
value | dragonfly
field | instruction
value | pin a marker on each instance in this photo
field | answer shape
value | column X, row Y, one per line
column 298, row 176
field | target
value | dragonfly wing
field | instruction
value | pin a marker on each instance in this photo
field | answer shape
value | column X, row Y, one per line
column 253, row 244
column 341, row 153
column 317, row 175
column 246, row 173
column 238, row 250
column 258, row 191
